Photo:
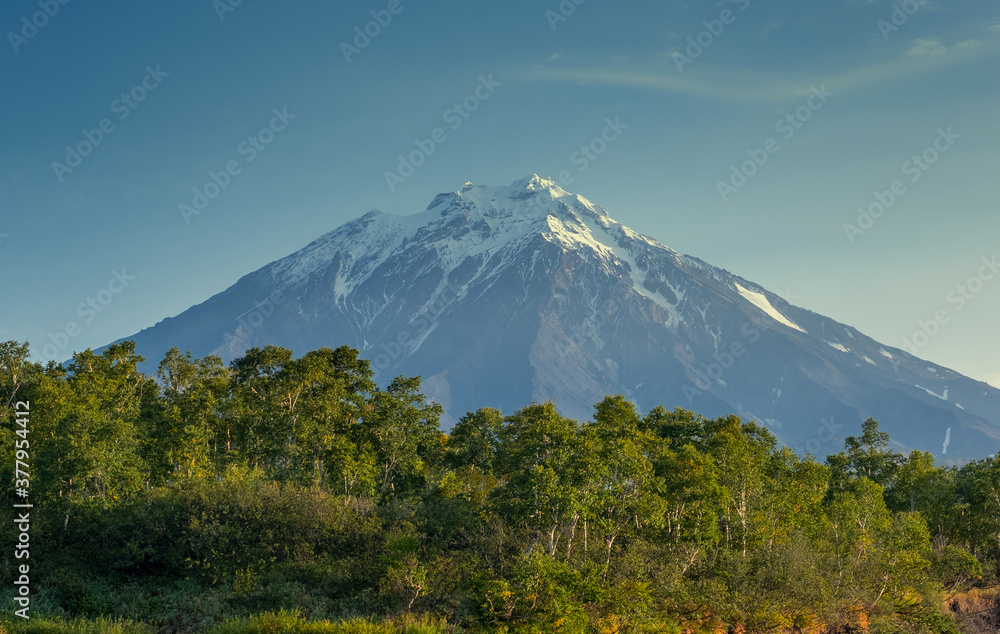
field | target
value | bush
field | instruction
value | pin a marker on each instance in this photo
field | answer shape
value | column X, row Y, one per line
column 227, row 532
column 75, row 626
column 293, row 623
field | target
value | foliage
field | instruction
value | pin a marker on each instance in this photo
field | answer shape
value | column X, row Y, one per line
column 208, row 497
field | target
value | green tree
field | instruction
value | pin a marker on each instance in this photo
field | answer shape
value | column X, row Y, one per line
column 868, row 455
column 537, row 463
column 678, row 428
column 877, row 554
column 795, row 492
column 263, row 407
column 470, row 455
column 400, row 428
column 978, row 489
column 743, row 457
column 921, row 485
column 15, row 369
column 333, row 390
column 475, row 440
column 623, row 494
column 694, row 501
column 92, row 453
column 188, row 432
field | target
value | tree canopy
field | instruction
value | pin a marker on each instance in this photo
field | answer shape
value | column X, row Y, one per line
column 299, row 482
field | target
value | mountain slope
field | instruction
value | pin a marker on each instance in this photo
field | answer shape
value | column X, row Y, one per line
column 498, row 296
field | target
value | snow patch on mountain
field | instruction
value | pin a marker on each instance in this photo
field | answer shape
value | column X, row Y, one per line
column 943, row 396
column 760, row 301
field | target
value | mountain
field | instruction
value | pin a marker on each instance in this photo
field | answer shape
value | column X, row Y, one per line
column 499, row 296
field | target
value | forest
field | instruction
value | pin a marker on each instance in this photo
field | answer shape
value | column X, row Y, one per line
column 294, row 494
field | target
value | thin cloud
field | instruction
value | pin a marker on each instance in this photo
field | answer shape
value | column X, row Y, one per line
column 751, row 86
column 768, row 28
column 970, row 44
column 933, row 47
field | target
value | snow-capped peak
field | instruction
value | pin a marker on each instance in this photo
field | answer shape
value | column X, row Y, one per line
column 481, row 221
column 534, row 182
column 530, row 199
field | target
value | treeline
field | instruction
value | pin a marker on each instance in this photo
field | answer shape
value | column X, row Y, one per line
column 210, row 492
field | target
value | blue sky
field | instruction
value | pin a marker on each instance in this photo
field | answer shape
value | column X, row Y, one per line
column 162, row 96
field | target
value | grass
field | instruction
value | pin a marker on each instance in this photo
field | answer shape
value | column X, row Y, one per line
column 268, row 623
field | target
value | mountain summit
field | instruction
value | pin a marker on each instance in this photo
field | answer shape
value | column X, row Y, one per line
column 499, row 296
